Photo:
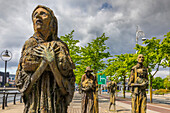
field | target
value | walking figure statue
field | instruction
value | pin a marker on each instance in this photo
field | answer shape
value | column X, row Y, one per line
column 88, row 87
column 45, row 75
column 138, row 82
column 112, row 89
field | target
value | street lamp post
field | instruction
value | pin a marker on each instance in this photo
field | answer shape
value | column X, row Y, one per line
column 5, row 56
column 139, row 33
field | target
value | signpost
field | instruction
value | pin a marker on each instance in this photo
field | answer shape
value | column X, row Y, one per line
column 101, row 79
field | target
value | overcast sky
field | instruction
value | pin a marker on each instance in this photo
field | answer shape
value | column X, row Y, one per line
column 90, row 19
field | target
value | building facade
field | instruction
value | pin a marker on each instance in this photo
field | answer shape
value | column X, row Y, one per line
column 3, row 79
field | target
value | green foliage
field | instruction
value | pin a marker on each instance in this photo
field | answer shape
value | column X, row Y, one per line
column 90, row 55
column 161, row 92
column 79, row 71
column 164, row 52
column 156, row 54
column 158, row 83
column 120, row 66
column 94, row 53
column 74, row 51
column 167, row 82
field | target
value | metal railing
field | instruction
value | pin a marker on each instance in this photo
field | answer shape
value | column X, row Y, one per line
column 7, row 97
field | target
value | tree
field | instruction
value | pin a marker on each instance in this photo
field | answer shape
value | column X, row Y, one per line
column 74, row 51
column 164, row 51
column 121, row 66
column 111, row 71
column 94, row 53
column 90, row 55
column 158, row 83
column 167, row 82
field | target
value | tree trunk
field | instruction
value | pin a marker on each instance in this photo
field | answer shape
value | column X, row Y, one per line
column 116, row 90
column 96, row 105
column 124, row 77
column 151, row 88
column 151, row 77
column 100, row 88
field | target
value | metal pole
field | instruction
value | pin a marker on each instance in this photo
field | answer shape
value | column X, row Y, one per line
column 139, row 33
column 5, row 73
column 137, row 29
column 4, row 100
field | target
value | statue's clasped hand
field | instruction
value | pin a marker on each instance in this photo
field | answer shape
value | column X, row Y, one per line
column 45, row 52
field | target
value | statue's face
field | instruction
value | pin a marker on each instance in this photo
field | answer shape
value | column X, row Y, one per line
column 140, row 58
column 41, row 20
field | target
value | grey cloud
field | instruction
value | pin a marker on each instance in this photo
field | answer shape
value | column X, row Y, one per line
column 89, row 19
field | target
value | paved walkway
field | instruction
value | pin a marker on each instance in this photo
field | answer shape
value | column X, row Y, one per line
column 122, row 106
column 151, row 107
column 75, row 106
column 18, row 108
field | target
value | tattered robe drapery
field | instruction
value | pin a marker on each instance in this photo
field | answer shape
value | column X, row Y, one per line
column 45, row 95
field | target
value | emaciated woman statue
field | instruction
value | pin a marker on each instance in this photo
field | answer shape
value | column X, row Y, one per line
column 45, row 75
column 139, row 82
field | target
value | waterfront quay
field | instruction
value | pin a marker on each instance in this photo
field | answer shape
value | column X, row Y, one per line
column 122, row 105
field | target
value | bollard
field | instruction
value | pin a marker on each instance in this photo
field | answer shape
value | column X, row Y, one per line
column 6, row 101
column 15, row 98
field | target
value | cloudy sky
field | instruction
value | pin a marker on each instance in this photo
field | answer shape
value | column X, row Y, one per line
column 90, row 19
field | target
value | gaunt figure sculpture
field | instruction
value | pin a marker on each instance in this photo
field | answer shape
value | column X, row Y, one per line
column 139, row 82
column 88, row 84
column 112, row 89
column 45, row 75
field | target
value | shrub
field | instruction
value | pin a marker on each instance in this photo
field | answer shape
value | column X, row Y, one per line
column 161, row 92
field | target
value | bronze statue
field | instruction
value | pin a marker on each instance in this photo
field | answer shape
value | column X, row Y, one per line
column 45, row 75
column 88, row 86
column 138, row 82
column 112, row 89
